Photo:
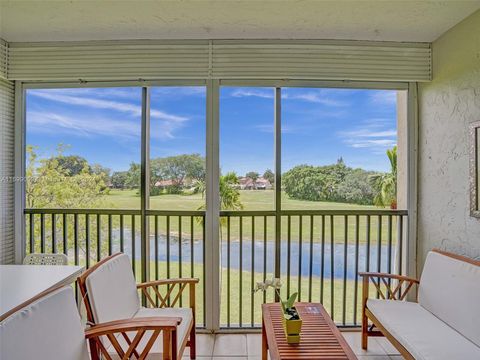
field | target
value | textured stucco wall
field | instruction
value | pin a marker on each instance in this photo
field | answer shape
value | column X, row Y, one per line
column 446, row 107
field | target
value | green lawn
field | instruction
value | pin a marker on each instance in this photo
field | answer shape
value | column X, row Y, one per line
column 259, row 200
column 251, row 200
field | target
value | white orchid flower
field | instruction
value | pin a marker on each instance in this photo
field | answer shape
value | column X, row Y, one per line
column 276, row 283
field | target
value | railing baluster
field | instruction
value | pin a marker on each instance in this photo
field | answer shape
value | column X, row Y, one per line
column 204, row 270
column 155, row 219
column 75, row 237
column 110, row 234
column 345, row 260
column 400, row 245
column 240, row 292
column 367, row 255
column 357, row 246
column 99, row 237
column 379, row 247
column 228, row 271
column 310, row 268
column 264, row 255
column 322, row 255
column 32, row 233
column 389, row 258
column 180, row 251
column 87, row 240
column 168, row 253
column 133, row 246
column 65, row 234
column 54, row 233
column 192, row 247
column 299, row 278
column 289, row 243
column 122, row 234
column 252, row 281
column 42, row 232
column 332, row 266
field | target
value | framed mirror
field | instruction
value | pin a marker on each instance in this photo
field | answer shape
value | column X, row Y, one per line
column 474, row 169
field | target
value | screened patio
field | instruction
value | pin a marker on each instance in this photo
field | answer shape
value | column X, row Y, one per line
column 135, row 55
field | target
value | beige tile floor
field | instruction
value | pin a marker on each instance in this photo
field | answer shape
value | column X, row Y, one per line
column 249, row 347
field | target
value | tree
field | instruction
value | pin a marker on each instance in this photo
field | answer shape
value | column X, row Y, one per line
column 132, row 180
column 385, row 184
column 229, row 194
column 119, row 179
column 270, row 176
column 51, row 184
column 336, row 182
column 72, row 164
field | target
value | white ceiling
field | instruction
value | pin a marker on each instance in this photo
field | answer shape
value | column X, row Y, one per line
column 393, row 20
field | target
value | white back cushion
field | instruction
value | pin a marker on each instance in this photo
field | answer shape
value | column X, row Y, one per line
column 49, row 328
column 450, row 290
column 112, row 291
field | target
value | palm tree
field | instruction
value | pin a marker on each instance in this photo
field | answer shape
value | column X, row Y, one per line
column 386, row 183
column 229, row 195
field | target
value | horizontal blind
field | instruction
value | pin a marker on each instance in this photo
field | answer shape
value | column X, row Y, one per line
column 7, row 254
column 3, row 59
column 220, row 59
column 109, row 60
column 327, row 60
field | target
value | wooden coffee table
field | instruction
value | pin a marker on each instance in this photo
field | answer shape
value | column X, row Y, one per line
column 320, row 338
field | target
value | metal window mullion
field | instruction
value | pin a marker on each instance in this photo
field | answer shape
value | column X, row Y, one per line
column 212, row 245
column 278, row 181
column 144, row 187
column 410, row 245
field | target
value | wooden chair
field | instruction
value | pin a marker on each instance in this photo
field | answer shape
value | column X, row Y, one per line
column 110, row 293
column 50, row 328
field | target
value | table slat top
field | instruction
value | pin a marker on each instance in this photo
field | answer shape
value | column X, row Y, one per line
column 320, row 338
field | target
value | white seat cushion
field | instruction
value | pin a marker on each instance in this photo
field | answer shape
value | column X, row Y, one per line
column 49, row 328
column 423, row 334
column 450, row 289
column 112, row 290
column 156, row 351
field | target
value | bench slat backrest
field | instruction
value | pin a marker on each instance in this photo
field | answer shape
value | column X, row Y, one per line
column 450, row 290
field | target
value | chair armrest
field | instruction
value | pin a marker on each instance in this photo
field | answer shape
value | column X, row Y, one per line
column 168, row 282
column 132, row 331
column 147, row 323
column 388, row 276
column 173, row 294
column 397, row 293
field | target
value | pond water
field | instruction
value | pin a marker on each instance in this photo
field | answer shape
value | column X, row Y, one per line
column 244, row 256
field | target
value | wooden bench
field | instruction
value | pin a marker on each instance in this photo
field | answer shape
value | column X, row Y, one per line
column 444, row 322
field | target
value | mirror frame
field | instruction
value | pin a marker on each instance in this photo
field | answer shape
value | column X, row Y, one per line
column 474, row 169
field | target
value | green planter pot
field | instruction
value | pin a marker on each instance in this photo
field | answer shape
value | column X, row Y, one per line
column 292, row 329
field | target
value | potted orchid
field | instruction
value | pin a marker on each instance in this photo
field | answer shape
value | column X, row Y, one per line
column 292, row 323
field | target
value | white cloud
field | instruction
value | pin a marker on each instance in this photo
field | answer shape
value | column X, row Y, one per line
column 96, row 103
column 313, row 96
column 52, row 123
column 384, row 97
column 316, row 97
column 253, row 93
column 47, row 122
column 368, row 133
column 384, row 143
column 372, row 135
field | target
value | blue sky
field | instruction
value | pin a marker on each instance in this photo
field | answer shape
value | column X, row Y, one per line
column 318, row 125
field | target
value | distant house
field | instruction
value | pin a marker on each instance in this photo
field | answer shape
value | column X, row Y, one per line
column 163, row 184
column 246, row 183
